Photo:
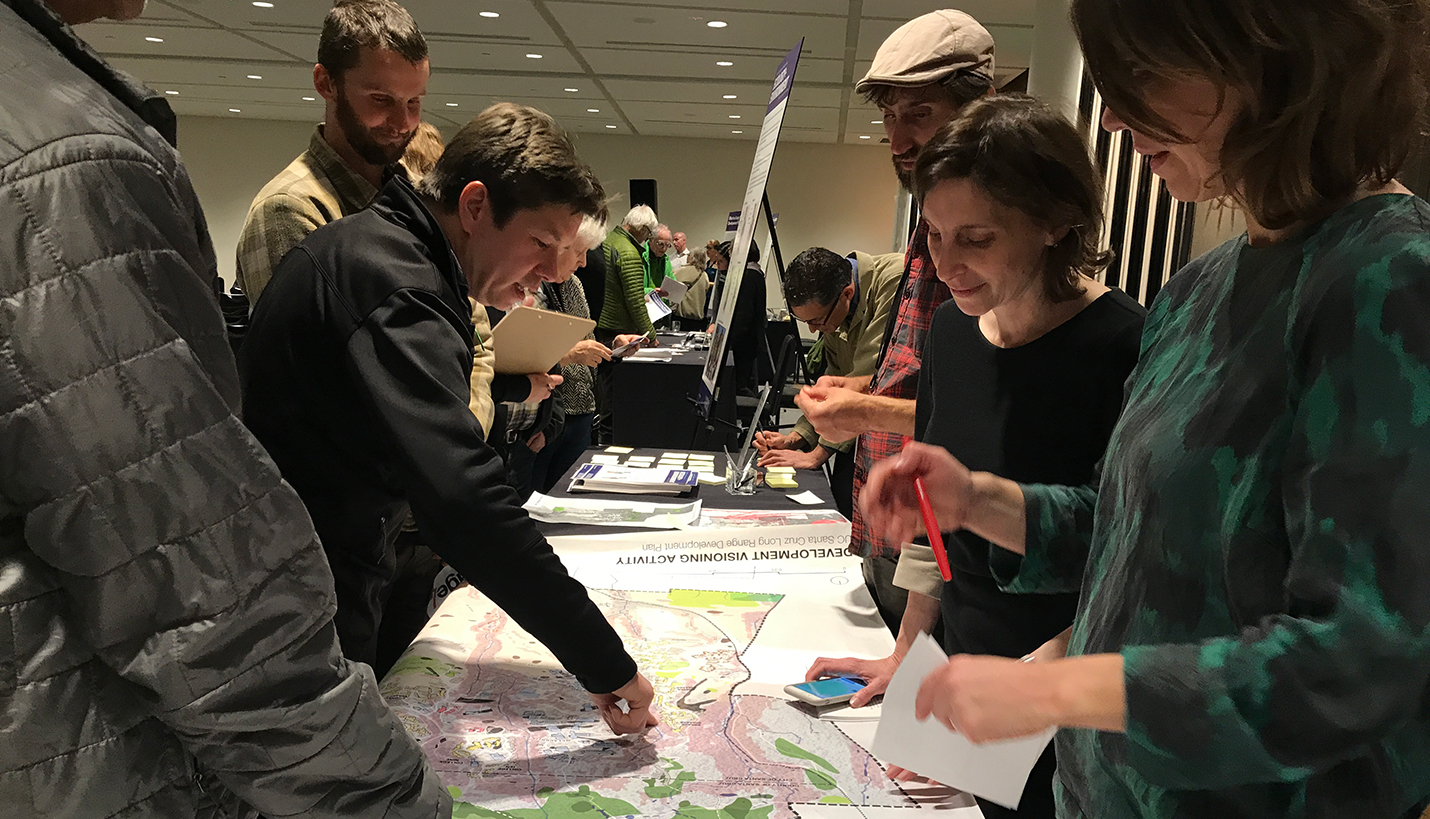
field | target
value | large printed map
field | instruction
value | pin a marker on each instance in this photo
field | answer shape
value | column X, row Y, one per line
column 513, row 736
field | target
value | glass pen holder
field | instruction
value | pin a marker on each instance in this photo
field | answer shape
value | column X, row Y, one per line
column 741, row 481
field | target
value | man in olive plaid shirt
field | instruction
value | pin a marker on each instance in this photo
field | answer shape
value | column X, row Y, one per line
column 922, row 75
column 372, row 73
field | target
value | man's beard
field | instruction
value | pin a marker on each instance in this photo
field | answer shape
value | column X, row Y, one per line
column 361, row 139
column 906, row 178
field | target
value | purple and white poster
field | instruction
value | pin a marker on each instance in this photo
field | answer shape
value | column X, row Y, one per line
column 748, row 216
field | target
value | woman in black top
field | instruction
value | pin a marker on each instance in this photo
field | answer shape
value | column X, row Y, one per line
column 1023, row 368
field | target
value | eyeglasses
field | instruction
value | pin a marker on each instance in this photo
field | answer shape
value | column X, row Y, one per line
column 821, row 322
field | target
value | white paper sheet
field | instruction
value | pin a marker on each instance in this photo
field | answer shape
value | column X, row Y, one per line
column 996, row 771
column 655, row 307
column 807, row 498
column 674, row 290
column 619, row 450
column 598, row 512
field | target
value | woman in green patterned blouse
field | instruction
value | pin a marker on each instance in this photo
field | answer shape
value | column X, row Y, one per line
column 1253, row 633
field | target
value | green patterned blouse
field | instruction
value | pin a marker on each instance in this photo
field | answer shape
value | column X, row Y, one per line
column 1258, row 548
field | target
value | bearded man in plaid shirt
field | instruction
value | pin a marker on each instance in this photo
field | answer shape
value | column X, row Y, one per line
column 922, row 75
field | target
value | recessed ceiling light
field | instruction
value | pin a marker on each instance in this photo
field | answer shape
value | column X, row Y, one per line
column 254, row 77
column 573, row 90
column 716, row 24
column 593, row 110
column 724, row 63
column 488, row 14
column 534, row 56
column 734, row 116
column 737, row 132
column 172, row 93
column 864, row 137
column 451, row 105
column 155, row 39
column 729, row 96
column 262, row 4
column 612, row 127
column 235, row 111
column 310, row 99
column 876, row 122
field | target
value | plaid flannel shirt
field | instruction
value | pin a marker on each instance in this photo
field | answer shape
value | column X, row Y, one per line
column 315, row 189
column 897, row 376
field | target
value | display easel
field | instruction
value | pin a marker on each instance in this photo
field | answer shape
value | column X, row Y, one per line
column 755, row 198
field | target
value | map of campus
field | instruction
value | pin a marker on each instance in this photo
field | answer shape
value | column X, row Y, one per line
column 513, row 736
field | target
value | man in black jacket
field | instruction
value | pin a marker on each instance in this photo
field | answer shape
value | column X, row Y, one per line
column 355, row 376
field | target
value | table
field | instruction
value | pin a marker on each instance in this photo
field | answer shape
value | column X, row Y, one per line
column 651, row 399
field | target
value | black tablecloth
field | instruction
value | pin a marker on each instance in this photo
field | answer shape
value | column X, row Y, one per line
column 712, row 496
column 651, row 400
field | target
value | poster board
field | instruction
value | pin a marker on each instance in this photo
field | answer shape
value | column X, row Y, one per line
column 749, row 216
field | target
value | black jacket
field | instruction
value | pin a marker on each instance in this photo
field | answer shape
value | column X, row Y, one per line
column 168, row 647
column 355, row 375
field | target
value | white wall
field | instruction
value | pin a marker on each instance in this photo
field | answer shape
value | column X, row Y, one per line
column 840, row 197
column 229, row 160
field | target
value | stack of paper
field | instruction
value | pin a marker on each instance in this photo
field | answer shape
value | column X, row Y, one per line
column 781, row 477
column 596, row 512
column 626, row 480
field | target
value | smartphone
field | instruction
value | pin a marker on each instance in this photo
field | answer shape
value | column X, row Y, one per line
column 828, row 691
column 628, row 348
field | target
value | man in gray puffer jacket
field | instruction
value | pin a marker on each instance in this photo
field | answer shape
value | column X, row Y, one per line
column 167, row 647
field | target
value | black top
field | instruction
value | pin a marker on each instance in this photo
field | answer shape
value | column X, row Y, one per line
column 1038, row 413
column 593, row 280
column 355, row 378
column 747, row 327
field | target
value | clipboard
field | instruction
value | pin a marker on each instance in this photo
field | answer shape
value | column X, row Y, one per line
column 529, row 340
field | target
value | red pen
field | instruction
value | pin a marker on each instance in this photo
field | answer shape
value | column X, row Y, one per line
column 931, row 525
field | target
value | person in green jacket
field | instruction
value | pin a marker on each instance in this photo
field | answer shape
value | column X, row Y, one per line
column 1253, row 633
column 628, row 278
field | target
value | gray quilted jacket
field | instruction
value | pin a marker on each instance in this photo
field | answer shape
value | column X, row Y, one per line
column 166, row 638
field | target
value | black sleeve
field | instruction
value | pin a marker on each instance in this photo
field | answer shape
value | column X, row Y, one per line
column 923, row 407
column 412, row 365
column 510, row 388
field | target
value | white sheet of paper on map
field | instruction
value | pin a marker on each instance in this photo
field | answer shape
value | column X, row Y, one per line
column 598, row 512
column 996, row 771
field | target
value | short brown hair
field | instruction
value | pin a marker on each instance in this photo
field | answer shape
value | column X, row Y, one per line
column 1030, row 158
column 352, row 25
column 524, row 159
column 961, row 88
column 422, row 152
column 1336, row 90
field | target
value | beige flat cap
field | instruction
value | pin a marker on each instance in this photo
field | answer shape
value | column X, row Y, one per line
column 929, row 48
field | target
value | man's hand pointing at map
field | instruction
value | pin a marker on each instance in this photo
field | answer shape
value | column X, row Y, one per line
column 636, row 716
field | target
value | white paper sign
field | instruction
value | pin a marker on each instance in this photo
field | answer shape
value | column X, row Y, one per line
column 655, row 307
column 996, row 771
